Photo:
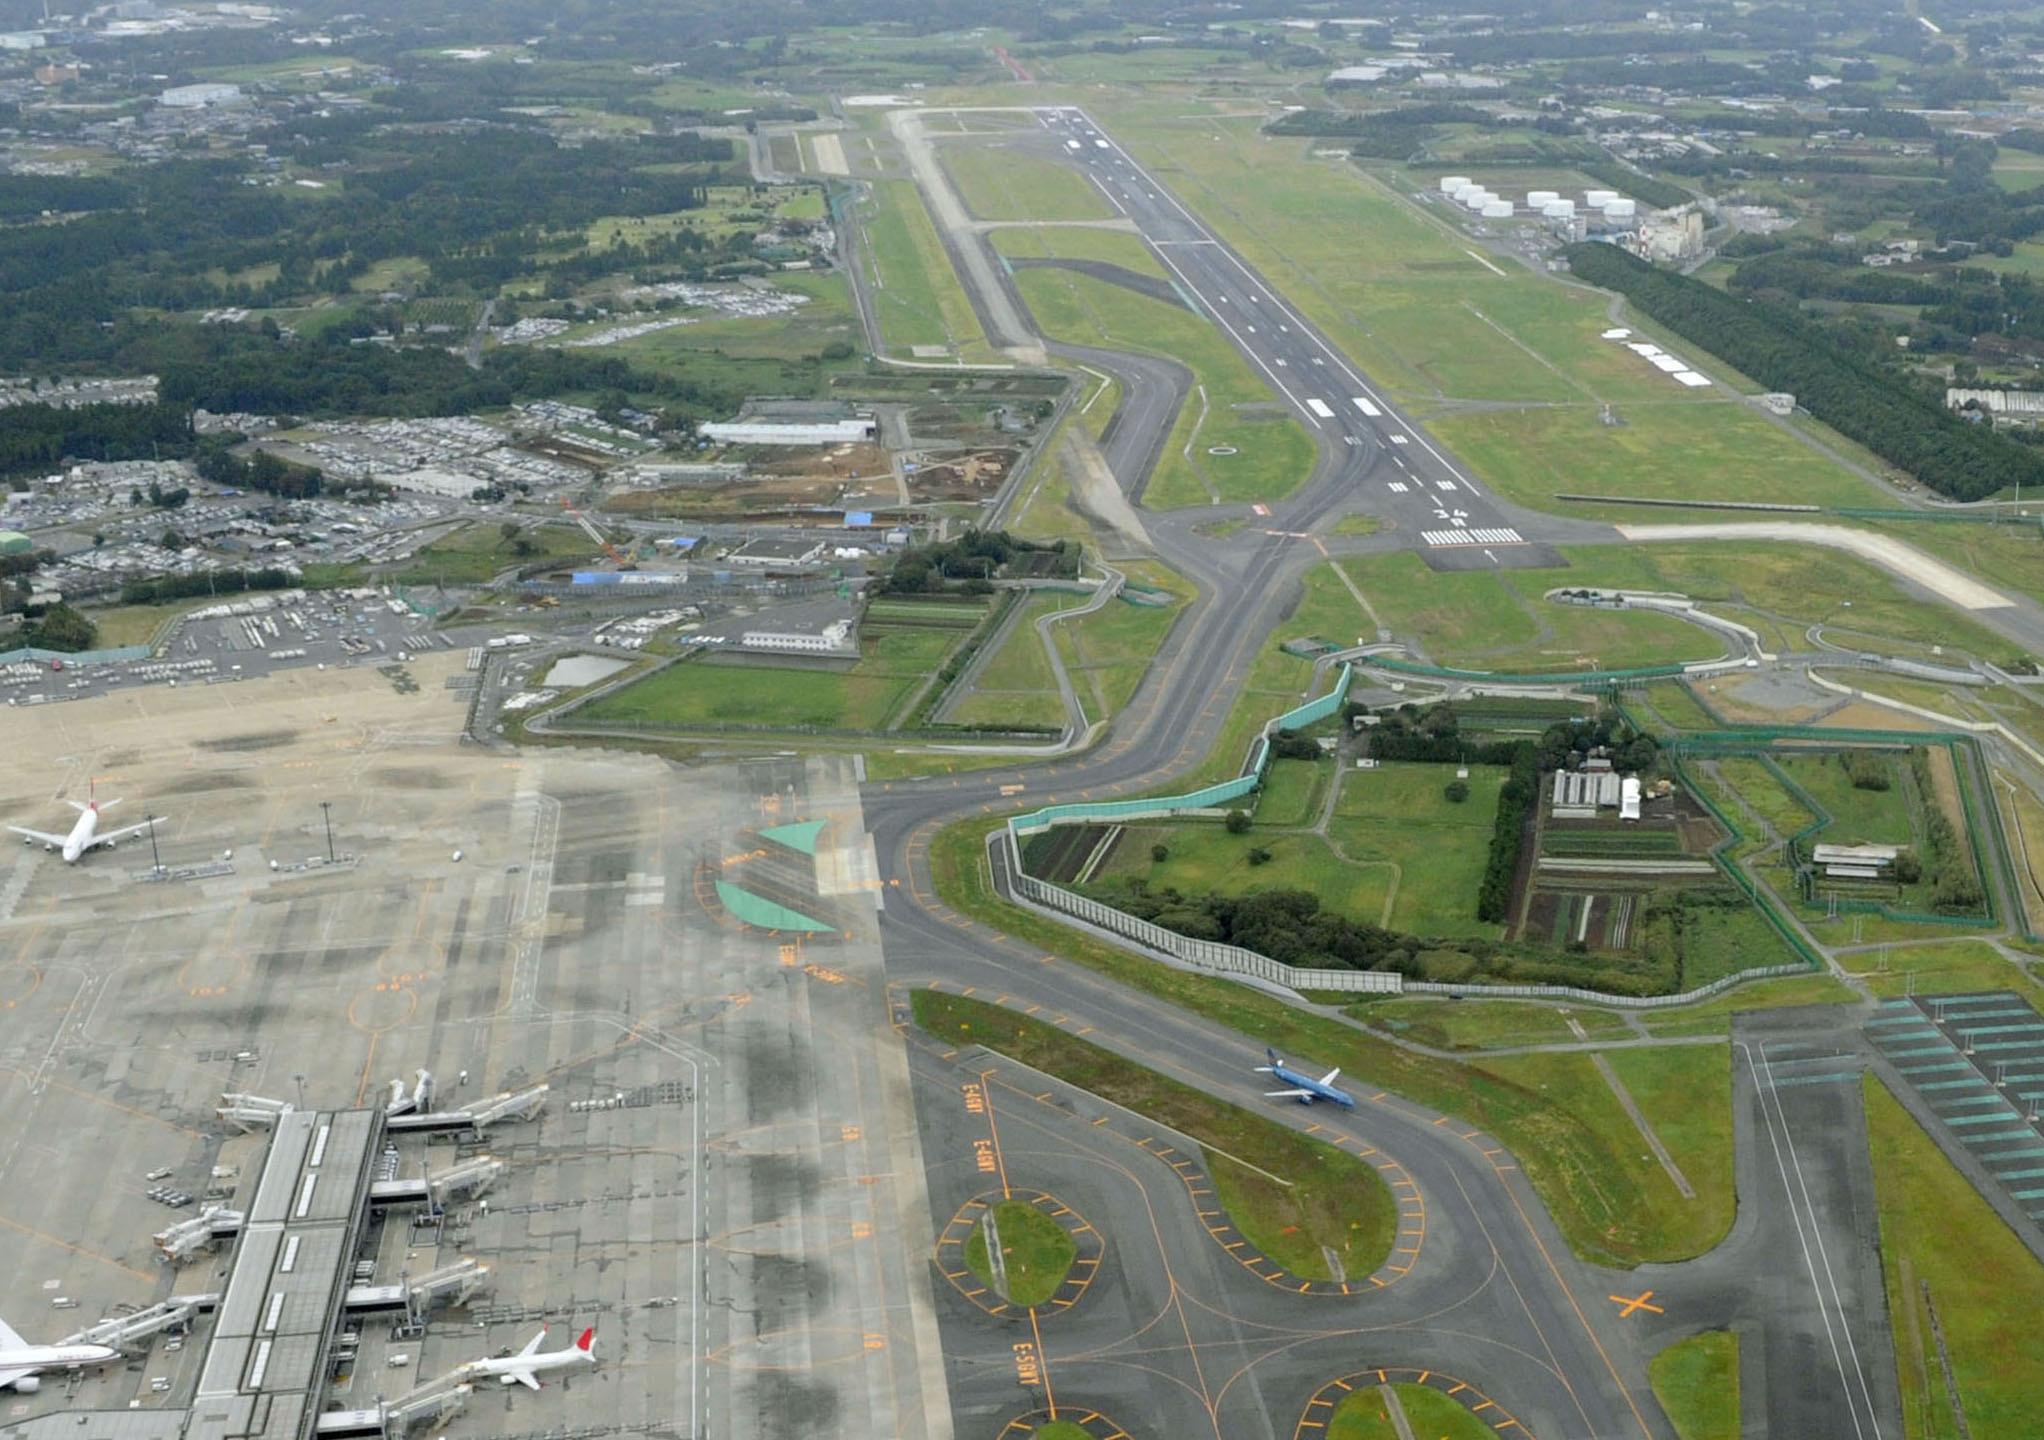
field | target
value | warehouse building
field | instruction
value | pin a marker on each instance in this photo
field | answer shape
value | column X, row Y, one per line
column 200, row 97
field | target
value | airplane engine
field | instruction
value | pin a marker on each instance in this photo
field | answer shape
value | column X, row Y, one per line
column 28, row 1385
column 108, row 843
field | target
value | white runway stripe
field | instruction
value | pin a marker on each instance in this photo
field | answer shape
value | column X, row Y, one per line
column 1321, row 408
column 1367, row 408
column 1485, row 536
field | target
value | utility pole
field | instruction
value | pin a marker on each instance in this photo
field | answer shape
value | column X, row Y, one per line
column 156, row 860
column 326, row 813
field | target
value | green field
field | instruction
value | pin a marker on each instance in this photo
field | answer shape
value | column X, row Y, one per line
column 1605, row 1196
column 1329, row 1199
column 1396, row 817
column 1204, row 858
column 1685, row 1092
column 1951, row 968
column 1231, row 407
column 1292, row 791
column 1400, row 290
column 1697, row 1382
column 1016, row 686
column 1036, row 1253
column 1485, row 619
column 1362, row 1416
column 476, row 552
column 1107, row 652
column 1486, row 1024
column 1110, row 247
column 999, row 183
column 893, row 663
column 916, row 295
column 1938, row 1234
column 1877, row 817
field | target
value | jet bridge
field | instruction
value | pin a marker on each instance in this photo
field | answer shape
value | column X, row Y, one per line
column 122, row 1331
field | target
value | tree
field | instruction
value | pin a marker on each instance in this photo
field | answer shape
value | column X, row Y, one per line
column 1457, row 791
column 59, row 628
column 1238, row 822
column 1160, row 853
column 1258, row 855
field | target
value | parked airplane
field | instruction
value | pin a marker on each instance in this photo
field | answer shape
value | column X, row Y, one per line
column 85, row 834
column 529, row 1364
column 21, row 1363
column 1305, row 1089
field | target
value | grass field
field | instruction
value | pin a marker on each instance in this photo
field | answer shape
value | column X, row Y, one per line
column 1111, row 247
column 1486, row 1024
column 1685, row 1094
column 1016, row 685
column 1232, row 408
column 1484, row 619
column 1107, row 652
column 1362, row 1415
column 916, row 294
column 1953, row 968
column 1397, row 816
column 1292, row 791
column 893, row 662
column 1334, row 1200
column 474, row 553
column 1878, row 817
column 1603, row 1196
column 1036, row 1253
column 1203, row 857
column 1938, row 1234
column 999, row 183
column 119, row 625
column 1399, row 290
column 1697, row 1382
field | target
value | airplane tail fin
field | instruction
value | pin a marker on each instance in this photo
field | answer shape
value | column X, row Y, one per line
column 587, row 1343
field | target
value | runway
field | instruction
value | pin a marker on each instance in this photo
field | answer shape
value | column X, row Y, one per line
column 1496, row 1298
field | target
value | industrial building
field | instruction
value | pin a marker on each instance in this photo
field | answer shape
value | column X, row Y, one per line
column 1855, row 862
column 833, row 639
column 774, row 551
column 13, row 542
column 199, row 97
column 771, row 432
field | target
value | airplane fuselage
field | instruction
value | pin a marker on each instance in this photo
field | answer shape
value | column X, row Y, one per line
column 80, row 839
column 1313, row 1088
column 20, row 1367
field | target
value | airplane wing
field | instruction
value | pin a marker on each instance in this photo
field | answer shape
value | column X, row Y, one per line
column 9, row 1340
column 523, row 1377
column 47, row 839
column 121, row 834
column 1289, row 1094
column 1328, row 1078
column 532, row 1345
column 15, row 1372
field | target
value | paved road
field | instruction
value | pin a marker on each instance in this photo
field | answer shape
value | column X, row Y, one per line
column 1497, row 1296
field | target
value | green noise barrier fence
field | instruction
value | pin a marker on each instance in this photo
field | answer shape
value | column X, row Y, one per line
column 1298, row 718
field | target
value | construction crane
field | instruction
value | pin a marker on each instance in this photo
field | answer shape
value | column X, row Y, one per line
column 588, row 528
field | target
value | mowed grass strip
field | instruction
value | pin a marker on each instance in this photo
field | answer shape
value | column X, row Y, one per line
column 998, row 182
column 1271, row 452
column 1608, row 1197
column 1937, row 1233
column 1697, row 1382
column 1036, row 1253
column 1333, row 1200
column 1112, row 247
column 698, row 695
column 919, row 299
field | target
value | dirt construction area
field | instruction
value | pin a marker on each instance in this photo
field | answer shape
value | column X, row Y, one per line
column 724, row 1177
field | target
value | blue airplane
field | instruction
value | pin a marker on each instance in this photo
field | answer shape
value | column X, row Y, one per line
column 1305, row 1089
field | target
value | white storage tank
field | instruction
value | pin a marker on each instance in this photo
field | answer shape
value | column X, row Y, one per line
column 1452, row 183
column 1621, row 210
column 1497, row 210
column 1477, row 199
column 1540, row 199
column 1559, row 210
column 1598, row 199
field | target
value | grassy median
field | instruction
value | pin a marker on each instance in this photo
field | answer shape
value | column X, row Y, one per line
column 1324, row 1200
column 1036, row 1253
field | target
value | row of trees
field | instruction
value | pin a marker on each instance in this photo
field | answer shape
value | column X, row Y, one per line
column 1781, row 351
column 34, row 438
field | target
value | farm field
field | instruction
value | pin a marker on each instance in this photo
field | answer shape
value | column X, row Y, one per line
column 1231, row 409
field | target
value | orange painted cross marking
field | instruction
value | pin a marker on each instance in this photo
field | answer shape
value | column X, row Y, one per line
column 1628, row 1304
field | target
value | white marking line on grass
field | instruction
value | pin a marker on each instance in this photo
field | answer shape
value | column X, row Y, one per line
column 1483, row 262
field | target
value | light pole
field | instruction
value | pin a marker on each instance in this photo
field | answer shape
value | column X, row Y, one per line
column 298, row 1079
column 326, row 813
column 156, row 860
